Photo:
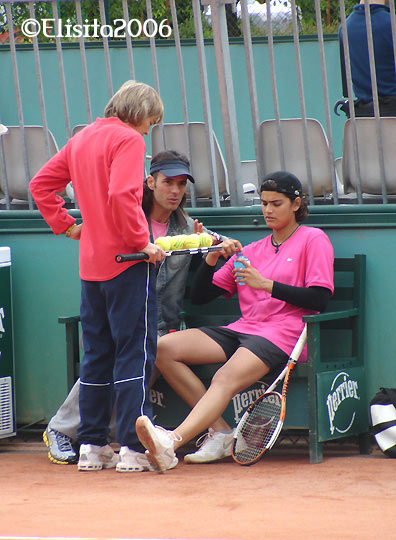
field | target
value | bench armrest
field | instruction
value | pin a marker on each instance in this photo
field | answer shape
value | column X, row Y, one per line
column 331, row 316
column 68, row 320
column 72, row 348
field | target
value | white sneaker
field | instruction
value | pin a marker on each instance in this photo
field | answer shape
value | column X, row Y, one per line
column 215, row 445
column 132, row 461
column 159, row 443
column 95, row 458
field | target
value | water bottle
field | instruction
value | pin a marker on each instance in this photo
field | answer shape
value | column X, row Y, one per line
column 182, row 319
column 182, row 323
column 239, row 264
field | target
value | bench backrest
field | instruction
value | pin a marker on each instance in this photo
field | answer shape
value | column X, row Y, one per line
column 342, row 339
column 349, row 280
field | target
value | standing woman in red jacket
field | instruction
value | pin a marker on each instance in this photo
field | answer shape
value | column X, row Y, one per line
column 105, row 162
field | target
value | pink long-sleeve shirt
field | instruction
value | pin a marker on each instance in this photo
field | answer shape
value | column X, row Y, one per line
column 105, row 162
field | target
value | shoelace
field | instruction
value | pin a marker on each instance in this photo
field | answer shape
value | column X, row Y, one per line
column 172, row 434
column 63, row 442
column 203, row 438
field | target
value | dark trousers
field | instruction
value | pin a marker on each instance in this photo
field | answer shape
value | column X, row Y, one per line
column 119, row 328
column 387, row 107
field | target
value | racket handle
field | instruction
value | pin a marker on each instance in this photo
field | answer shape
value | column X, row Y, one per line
column 299, row 345
column 131, row 257
column 190, row 251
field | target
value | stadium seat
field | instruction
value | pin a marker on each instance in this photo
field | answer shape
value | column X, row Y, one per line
column 295, row 159
column 176, row 137
column 368, row 177
column 23, row 152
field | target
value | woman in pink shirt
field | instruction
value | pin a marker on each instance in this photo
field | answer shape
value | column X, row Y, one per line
column 289, row 274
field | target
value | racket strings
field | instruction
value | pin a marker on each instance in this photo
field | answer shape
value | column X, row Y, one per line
column 256, row 432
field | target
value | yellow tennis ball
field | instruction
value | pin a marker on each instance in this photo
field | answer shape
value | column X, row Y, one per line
column 177, row 241
column 205, row 240
column 163, row 242
column 191, row 241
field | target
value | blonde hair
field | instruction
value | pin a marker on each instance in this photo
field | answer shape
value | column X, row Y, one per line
column 134, row 102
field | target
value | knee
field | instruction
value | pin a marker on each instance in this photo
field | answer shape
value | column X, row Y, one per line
column 165, row 352
column 223, row 382
column 161, row 353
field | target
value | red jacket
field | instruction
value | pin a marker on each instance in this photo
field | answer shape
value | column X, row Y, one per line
column 105, row 161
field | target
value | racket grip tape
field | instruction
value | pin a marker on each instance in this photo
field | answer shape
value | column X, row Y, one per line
column 131, row 257
column 299, row 345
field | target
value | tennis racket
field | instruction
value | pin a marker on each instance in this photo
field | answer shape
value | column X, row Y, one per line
column 262, row 422
column 140, row 256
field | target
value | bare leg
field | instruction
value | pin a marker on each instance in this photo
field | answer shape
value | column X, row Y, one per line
column 176, row 352
column 242, row 369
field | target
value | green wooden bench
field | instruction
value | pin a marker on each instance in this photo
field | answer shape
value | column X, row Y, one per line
column 326, row 396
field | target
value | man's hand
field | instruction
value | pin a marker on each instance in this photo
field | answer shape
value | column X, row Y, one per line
column 198, row 227
column 155, row 253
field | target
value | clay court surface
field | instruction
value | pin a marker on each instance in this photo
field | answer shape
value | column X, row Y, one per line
column 348, row 496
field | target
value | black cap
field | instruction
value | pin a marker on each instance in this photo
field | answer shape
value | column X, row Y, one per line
column 174, row 167
column 282, row 182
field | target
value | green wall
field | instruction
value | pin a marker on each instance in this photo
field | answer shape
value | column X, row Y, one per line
column 286, row 77
column 46, row 286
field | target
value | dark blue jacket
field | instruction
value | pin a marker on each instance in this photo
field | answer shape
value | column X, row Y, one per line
column 383, row 51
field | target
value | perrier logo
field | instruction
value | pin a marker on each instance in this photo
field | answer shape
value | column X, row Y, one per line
column 341, row 403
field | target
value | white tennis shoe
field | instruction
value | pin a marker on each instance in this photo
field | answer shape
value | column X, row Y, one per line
column 95, row 458
column 159, row 442
column 132, row 461
column 215, row 445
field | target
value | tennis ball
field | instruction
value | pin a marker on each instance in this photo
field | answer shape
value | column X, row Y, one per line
column 205, row 240
column 163, row 242
column 191, row 241
column 177, row 242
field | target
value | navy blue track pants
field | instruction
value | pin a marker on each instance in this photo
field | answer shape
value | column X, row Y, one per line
column 119, row 329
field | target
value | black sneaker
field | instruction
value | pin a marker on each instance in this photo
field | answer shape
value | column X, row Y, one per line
column 60, row 447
